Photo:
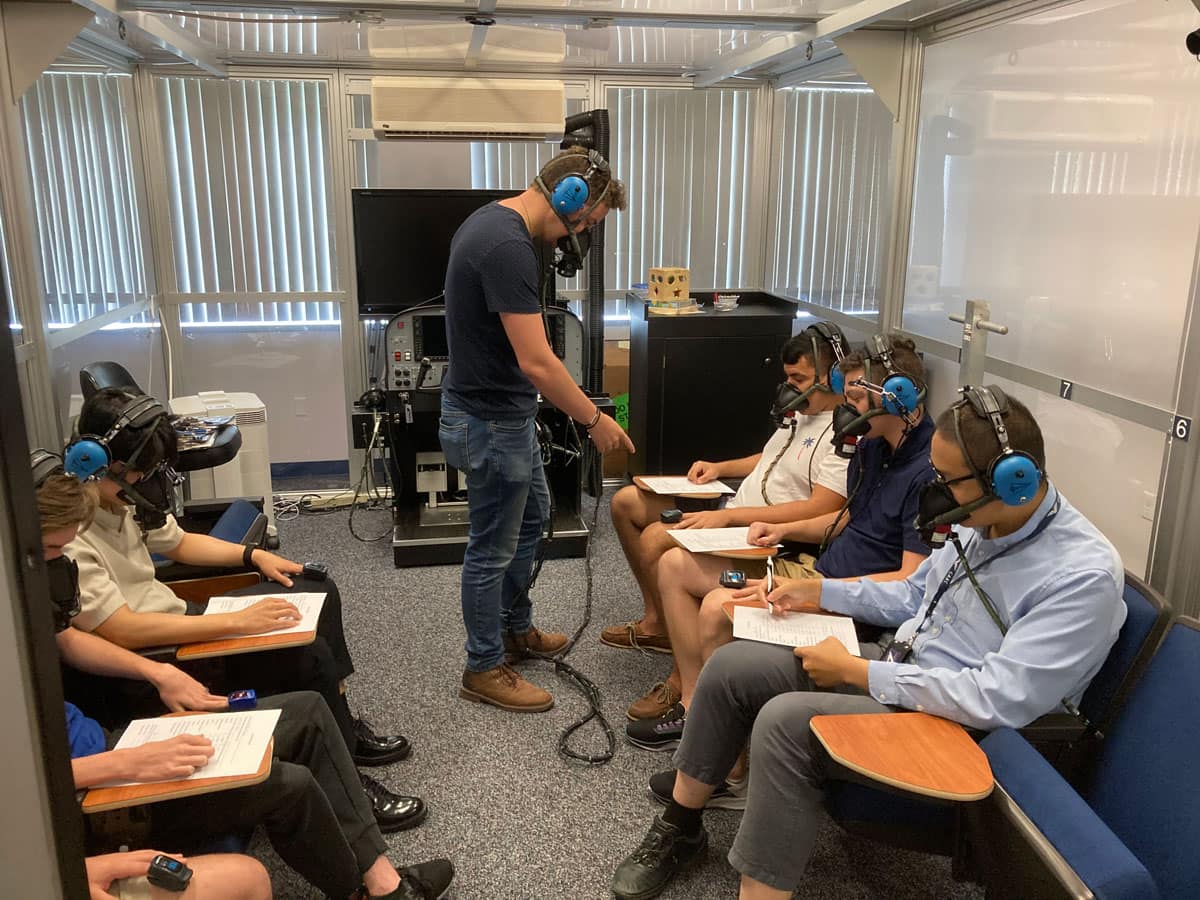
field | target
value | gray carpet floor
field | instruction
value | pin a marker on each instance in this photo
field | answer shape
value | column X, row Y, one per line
column 517, row 820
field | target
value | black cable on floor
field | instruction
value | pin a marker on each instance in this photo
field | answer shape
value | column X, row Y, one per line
column 587, row 687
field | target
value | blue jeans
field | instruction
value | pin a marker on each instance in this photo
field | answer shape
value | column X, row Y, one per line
column 509, row 504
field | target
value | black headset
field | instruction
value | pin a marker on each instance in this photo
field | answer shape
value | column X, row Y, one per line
column 89, row 454
column 835, row 381
column 43, row 463
column 1011, row 476
column 63, row 572
column 899, row 394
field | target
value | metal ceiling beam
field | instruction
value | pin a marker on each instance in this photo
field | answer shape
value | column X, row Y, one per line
column 479, row 33
column 160, row 33
column 176, row 40
column 523, row 15
column 783, row 48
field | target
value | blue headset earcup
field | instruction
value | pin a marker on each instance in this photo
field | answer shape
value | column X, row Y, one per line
column 1015, row 478
column 905, row 396
column 837, row 380
column 570, row 195
column 85, row 458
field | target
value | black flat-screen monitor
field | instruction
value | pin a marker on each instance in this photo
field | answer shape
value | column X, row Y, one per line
column 402, row 243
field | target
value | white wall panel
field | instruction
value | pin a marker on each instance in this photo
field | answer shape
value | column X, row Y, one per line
column 1058, row 178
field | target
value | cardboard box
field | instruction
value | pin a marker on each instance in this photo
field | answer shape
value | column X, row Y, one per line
column 616, row 383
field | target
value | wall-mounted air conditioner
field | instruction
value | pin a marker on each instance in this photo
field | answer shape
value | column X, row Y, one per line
column 493, row 109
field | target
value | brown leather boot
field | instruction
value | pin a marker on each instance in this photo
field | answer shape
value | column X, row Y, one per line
column 542, row 644
column 506, row 689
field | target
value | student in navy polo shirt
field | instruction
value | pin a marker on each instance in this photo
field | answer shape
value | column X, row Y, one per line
column 872, row 536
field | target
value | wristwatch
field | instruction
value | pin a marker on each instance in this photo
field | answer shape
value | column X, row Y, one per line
column 247, row 553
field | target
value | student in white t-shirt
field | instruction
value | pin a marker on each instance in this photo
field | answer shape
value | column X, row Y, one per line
column 796, row 474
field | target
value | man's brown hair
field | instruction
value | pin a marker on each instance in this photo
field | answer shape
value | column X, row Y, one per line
column 62, row 502
column 574, row 161
column 979, row 442
column 904, row 359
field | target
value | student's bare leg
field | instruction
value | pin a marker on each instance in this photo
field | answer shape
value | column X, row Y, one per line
column 633, row 510
column 222, row 876
column 684, row 579
column 756, row 890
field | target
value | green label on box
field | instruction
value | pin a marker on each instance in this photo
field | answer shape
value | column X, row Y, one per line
column 621, row 402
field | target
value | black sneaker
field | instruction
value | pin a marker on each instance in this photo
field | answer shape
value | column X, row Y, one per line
column 727, row 795
column 662, row 733
column 424, row 881
column 664, row 851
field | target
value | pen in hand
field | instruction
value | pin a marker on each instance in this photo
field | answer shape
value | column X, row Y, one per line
column 770, row 583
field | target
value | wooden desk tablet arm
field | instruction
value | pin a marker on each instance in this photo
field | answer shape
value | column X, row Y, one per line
column 912, row 752
column 102, row 799
column 200, row 590
column 699, row 495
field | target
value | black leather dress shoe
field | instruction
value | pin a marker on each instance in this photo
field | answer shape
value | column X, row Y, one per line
column 372, row 749
column 393, row 812
column 664, row 852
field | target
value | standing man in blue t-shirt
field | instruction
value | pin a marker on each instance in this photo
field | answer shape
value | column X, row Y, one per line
column 500, row 361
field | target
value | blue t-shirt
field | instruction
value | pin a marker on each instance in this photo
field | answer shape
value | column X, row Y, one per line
column 883, row 508
column 84, row 735
column 493, row 268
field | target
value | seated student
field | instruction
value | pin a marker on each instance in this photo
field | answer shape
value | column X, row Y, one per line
column 130, row 446
column 796, row 475
column 871, row 536
column 215, row 876
column 319, row 820
column 66, row 508
column 1025, row 641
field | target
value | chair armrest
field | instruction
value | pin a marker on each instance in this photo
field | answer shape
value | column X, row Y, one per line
column 159, row 654
column 1054, row 821
column 199, row 590
column 1051, row 728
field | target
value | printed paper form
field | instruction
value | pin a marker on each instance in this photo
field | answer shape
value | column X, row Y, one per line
column 793, row 629
column 706, row 540
column 665, row 484
column 309, row 605
column 239, row 740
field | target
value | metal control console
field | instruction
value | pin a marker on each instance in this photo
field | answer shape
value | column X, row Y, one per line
column 421, row 335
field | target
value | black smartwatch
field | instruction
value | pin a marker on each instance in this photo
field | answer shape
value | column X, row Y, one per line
column 247, row 554
column 169, row 874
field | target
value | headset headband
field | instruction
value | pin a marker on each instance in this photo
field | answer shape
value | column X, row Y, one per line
column 1011, row 475
column 900, row 393
column 88, row 454
column 44, row 464
column 140, row 413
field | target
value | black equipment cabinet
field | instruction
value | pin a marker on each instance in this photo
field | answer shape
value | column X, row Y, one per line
column 700, row 385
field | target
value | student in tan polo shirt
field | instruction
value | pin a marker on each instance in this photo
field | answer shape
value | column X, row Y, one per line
column 122, row 601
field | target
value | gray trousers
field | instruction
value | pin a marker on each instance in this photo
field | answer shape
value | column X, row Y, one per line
column 758, row 691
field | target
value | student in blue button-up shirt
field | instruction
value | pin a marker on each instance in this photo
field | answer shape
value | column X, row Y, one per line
column 1053, row 584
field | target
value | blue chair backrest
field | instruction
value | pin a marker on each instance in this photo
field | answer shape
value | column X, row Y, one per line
column 1145, row 621
column 1144, row 784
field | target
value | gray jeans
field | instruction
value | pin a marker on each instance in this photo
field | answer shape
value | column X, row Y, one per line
column 757, row 691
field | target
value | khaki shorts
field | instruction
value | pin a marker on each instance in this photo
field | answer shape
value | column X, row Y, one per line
column 131, row 889
column 803, row 566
